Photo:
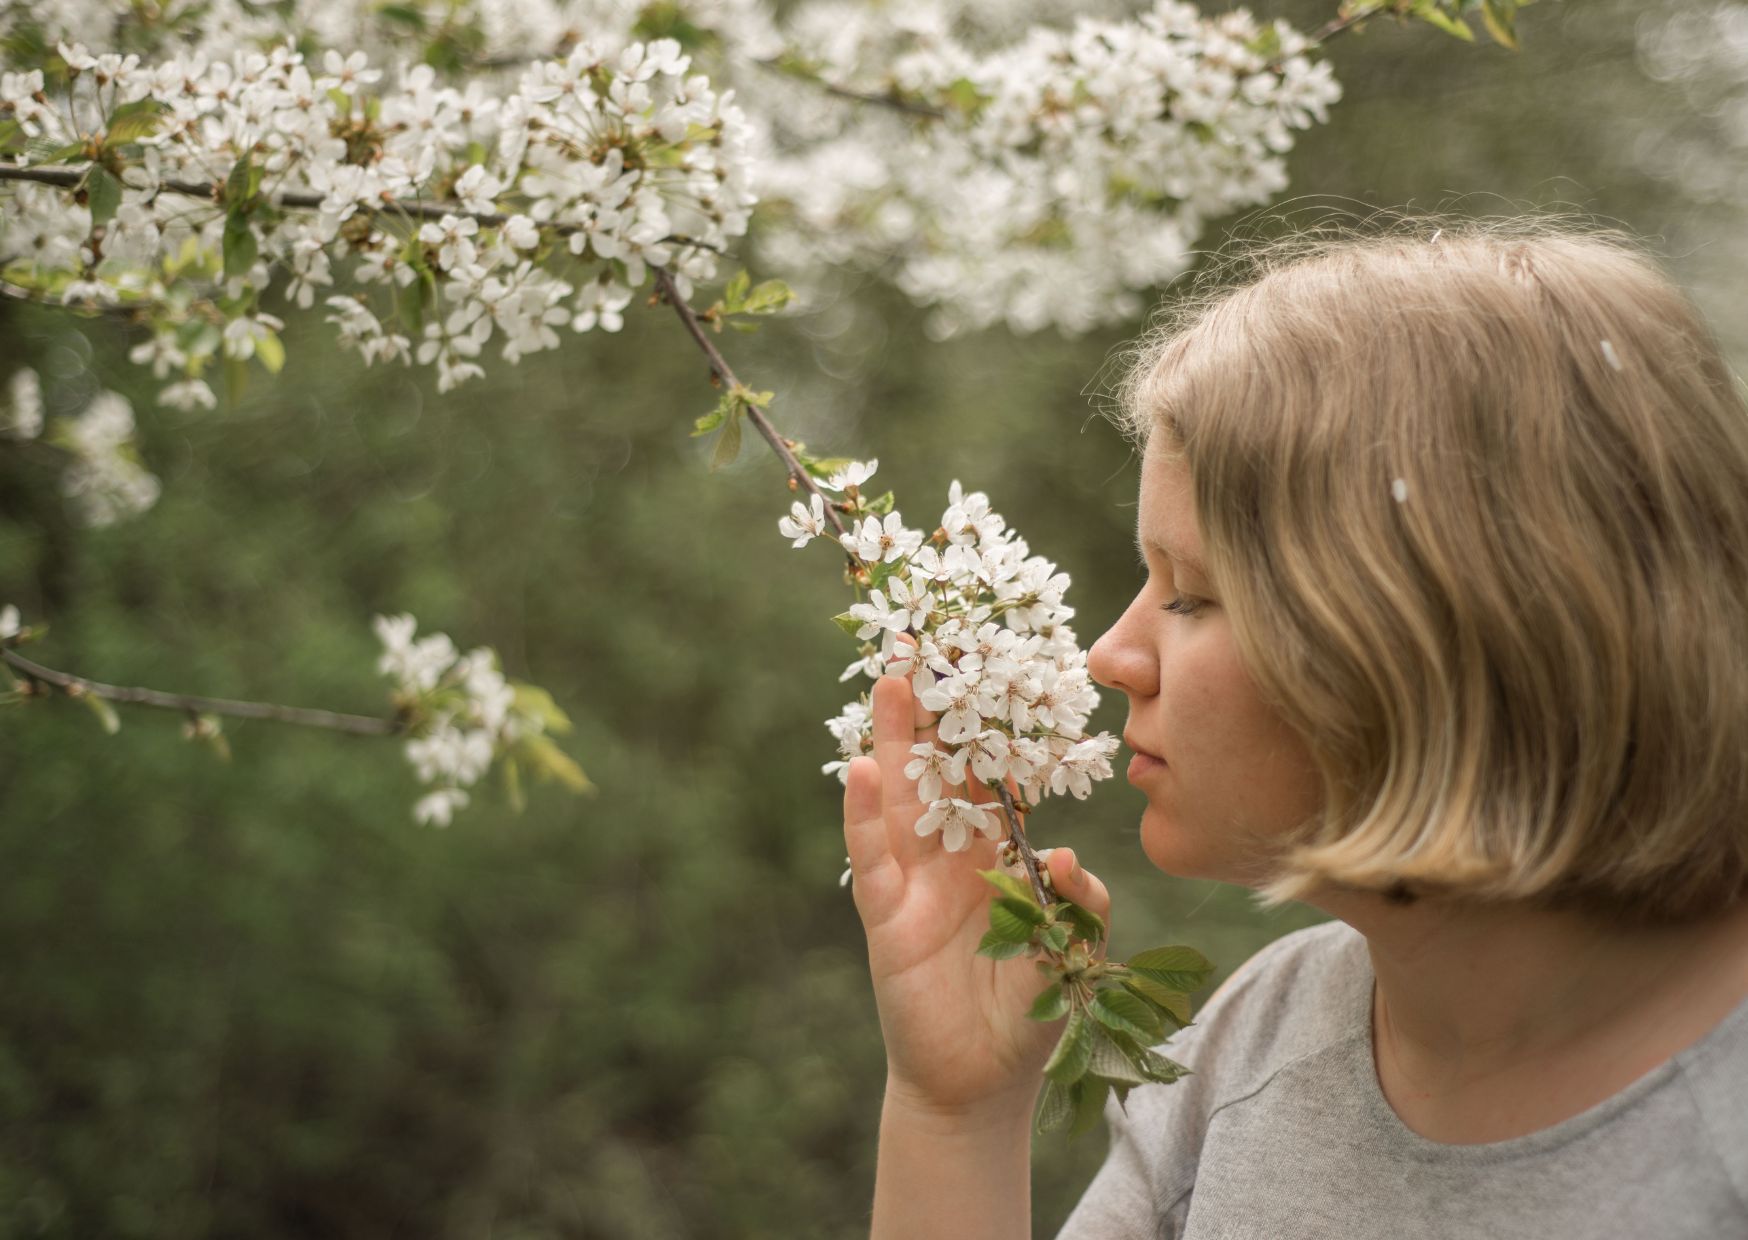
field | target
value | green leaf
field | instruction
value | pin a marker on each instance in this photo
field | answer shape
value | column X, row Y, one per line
column 1023, row 907
column 1055, row 1108
column 551, row 762
column 824, row 466
column 727, row 444
column 769, row 297
column 410, row 303
column 512, row 772
column 734, row 295
column 1178, row 968
column 962, row 93
column 1159, row 1068
column 48, row 151
column 133, row 121
column 1429, row 12
column 537, row 703
column 1087, row 924
column 1127, row 1013
column 1073, row 1050
column 104, row 711
column 1089, row 1104
column 242, row 182
column 882, row 504
column 848, row 623
column 1008, row 885
column 1051, row 1004
column 715, row 418
column 271, row 350
column 1174, row 1004
column 239, row 243
column 403, row 14
column 102, row 194
column 1007, row 925
column 1498, row 17
column 1055, row 938
column 998, row 948
column 1113, row 1062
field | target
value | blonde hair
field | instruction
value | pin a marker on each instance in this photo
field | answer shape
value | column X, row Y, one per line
column 1474, row 494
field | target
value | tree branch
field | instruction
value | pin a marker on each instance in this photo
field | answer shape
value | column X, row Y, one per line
column 78, row 686
column 720, row 368
column 61, row 177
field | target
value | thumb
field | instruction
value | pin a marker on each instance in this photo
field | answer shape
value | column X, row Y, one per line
column 1079, row 885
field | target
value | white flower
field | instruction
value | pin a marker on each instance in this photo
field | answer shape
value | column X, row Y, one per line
column 855, row 474
column 933, row 767
column 23, row 418
column 9, row 625
column 962, row 702
column 956, row 820
column 437, row 808
column 803, row 524
column 888, row 540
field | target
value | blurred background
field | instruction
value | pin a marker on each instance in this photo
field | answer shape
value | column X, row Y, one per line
column 256, row 999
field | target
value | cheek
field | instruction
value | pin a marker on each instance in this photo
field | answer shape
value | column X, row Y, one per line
column 1238, row 777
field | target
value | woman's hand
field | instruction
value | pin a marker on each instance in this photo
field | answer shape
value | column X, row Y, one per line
column 958, row 1040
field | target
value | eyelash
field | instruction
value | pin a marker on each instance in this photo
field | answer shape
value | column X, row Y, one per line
column 1181, row 606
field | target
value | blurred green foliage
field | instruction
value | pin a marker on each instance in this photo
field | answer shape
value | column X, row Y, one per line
column 254, row 999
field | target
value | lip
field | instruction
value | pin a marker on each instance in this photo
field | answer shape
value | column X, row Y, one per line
column 1143, row 762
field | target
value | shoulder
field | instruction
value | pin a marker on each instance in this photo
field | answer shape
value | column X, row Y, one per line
column 1299, row 995
column 1715, row 1070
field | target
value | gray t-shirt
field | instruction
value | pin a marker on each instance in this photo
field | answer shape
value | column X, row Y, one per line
column 1282, row 1130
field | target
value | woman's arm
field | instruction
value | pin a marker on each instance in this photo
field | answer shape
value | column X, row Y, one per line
column 965, row 1174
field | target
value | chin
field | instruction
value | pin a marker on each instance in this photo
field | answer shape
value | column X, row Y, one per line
column 1178, row 852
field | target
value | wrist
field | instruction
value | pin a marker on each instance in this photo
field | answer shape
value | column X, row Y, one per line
column 995, row 1113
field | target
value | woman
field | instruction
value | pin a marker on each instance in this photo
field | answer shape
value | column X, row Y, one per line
column 1443, row 634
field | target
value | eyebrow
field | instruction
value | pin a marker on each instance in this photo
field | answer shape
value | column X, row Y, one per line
column 1188, row 561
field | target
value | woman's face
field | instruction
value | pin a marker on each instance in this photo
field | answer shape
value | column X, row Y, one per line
column 1234, row 776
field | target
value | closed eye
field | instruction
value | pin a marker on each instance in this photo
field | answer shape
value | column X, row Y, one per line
column 1182, row 606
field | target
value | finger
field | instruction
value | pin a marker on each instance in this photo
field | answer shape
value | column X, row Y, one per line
column 876, row 879
column 893, row 737
column 1079, row 885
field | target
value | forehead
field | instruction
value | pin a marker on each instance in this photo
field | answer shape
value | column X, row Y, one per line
column 1165, row 518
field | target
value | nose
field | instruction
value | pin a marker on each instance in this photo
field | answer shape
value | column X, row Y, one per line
column 1124, row 657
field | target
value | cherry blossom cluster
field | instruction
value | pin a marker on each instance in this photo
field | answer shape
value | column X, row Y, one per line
column 1065, row 171
column 430, row 220
column 464, row 713
column 103, row 478
column 992, row 653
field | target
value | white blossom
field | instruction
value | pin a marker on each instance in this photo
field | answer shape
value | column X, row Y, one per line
column 956, row 820
column 9, row 622
column 932, row 767
column 803, row 524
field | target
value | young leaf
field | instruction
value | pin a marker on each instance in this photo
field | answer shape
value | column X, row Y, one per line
column 133, row 121
column 1007, row 925
column 1178, row 968
column 1174, row 1003
column 1025, row 909
column 734, row 295
column 998, row 948
column 1114, row 1062
column 1089, row 1104
column 1158, row 1067
column 239, row 243
column 727, row 444
column 1087, row 924
column 537, row 702
column 1010, row 886
column 1073, row 1051
column 551, row 762
column 271, row 350
column 768, row 298
column 848, row 623
column 1055, row 1108
column 1051, row 1004
column 1055, row 938
column 102, row 194
column 104, row 711
column 1126, row 1013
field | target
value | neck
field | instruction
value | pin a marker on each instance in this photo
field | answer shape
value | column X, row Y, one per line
column 1467, row 991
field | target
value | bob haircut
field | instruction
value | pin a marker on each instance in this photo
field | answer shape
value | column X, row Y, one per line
column 1474, row 494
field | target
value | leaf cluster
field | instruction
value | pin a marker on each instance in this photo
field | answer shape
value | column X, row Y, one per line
column 1115, row 1012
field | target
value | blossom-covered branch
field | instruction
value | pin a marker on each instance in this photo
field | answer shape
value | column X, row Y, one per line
column 458, row 713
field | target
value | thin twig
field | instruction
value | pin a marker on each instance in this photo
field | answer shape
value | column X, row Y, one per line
column 720, row 368
column 79, row 686
column 1023, row 846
